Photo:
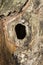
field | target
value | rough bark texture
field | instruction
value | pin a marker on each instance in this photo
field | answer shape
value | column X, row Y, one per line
column 28, row 51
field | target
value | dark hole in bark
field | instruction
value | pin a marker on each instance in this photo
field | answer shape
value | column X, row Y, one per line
column 20, row 31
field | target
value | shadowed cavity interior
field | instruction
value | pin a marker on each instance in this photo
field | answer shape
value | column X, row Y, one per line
column 20, row 31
